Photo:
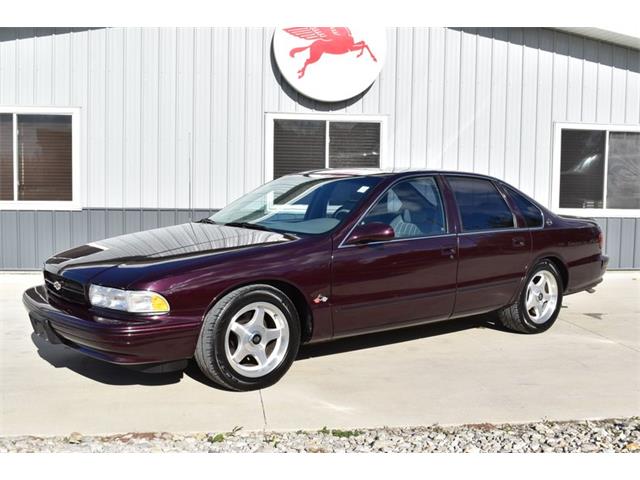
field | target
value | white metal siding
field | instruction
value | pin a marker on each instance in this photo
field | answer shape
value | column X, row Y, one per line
column 474, row 99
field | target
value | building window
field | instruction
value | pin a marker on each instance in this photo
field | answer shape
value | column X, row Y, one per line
column 39, row 158
column 597, row 170
column 297, row 143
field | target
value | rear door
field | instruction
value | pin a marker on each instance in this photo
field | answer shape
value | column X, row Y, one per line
column 409, row 279
column 493, row 251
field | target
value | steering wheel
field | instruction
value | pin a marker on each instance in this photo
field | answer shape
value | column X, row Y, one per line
column 341, row 213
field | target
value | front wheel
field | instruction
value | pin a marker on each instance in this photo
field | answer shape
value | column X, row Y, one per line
column 539, row 303
column 249, row 338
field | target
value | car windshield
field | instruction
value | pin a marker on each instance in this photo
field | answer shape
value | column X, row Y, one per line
column 299, row 204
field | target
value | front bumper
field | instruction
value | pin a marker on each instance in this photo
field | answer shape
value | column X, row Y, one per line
column 158, row 339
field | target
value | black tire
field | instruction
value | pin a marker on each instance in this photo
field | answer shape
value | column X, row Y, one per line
column 515, row 317
column 210, row 349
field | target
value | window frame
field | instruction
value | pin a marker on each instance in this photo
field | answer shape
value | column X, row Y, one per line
column 374, row 200
column 76, row 201
column 556, row 168
column 502, row 194
column 271, row 117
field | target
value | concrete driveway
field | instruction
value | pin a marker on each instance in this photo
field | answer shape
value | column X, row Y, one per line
column 587, row 366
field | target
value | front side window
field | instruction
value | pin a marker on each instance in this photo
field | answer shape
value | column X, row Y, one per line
column 599, row 169
column 300, row 204
column 37, row 160
column 480, row 205
column 532, row 214
column 412, row 207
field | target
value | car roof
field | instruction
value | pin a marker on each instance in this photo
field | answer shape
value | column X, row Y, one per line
column 387, row 172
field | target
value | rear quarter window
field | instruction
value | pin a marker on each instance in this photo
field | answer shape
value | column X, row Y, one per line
column 532, row 214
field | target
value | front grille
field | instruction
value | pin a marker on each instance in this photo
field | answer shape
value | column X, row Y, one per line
column 70, row 290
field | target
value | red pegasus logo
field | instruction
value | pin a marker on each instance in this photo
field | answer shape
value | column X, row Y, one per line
column 334, row 40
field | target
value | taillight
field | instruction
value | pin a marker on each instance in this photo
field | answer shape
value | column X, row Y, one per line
column 601, row 239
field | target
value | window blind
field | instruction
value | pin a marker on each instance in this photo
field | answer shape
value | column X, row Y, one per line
column 6, row 156
column 298, row 145
column 44, row 157
column 354, row 144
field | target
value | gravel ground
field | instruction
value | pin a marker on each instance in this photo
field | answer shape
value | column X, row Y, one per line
column 616, row 435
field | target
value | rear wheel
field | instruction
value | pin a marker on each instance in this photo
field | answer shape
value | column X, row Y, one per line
column 249, row 338
column 539, row 302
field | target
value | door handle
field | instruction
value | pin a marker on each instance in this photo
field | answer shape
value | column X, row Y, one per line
column 448, row 252
column 518, row 241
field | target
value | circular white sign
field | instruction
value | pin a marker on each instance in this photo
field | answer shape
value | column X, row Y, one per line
column 330, row 64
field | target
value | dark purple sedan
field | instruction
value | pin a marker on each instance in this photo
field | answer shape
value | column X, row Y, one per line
column 314, row 257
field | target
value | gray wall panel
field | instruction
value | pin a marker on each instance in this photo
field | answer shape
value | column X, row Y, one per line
column 132, row 221
column 166, row 218
column 61, row 231
column 149, row 219
column 9, row 239
column 79, row 227
column 114, row 223
column 44, row 237
column 97, row 224
column 636, row 246
column 26, row 239
column 183, row 216
column 613, row 236
column 627, row 241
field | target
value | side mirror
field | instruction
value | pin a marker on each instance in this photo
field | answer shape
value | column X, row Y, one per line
column 370, row 232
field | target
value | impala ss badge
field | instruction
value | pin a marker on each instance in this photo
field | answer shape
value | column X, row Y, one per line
column 57, row 285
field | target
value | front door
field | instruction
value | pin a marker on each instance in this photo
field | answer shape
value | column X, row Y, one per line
column 409, row 279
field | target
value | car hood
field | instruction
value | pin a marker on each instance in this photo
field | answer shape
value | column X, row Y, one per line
column 86, row 261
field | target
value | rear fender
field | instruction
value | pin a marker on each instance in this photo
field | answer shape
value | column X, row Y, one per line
column 554, row 256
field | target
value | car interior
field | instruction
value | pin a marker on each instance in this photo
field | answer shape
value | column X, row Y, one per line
column 413, row 208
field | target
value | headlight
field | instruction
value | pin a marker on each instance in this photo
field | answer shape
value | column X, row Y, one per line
column 141, row 301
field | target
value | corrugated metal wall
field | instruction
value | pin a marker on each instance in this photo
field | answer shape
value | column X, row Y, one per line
column 474, row 99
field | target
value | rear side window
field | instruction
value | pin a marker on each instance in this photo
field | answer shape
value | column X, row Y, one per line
column 532, row 214
column 481, row 205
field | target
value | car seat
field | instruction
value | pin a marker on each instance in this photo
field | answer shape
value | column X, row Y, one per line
column 403, row 227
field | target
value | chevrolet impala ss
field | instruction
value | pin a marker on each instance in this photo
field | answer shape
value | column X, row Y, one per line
column 313, row 257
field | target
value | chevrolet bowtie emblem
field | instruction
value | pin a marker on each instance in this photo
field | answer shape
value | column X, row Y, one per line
column 320, row 299
column 57, row 285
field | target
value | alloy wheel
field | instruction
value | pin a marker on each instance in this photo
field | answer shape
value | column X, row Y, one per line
column 542, row 296
column 257, row 339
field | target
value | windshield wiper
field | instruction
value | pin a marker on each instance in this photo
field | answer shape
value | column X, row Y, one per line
column 252, row 226
column 257, row 226
column 207, row 220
